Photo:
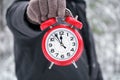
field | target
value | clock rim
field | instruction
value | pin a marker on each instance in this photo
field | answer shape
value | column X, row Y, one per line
column 69, row 61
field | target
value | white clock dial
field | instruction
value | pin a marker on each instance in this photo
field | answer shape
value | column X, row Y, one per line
column 61, row 44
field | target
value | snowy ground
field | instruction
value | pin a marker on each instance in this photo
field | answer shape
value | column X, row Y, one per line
column 104, row 19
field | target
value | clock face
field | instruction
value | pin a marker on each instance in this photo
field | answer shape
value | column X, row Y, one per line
column 61, row 44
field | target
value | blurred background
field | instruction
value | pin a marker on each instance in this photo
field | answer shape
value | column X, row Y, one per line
column 104, row 20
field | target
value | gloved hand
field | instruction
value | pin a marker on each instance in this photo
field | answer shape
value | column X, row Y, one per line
column 41, row 10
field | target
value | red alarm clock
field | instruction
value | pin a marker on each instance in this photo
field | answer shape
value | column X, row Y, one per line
column 62, row 44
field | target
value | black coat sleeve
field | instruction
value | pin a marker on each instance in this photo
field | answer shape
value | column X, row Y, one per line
column 16, row 20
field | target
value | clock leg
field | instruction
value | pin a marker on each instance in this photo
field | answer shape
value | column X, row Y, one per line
column 52, row 63
column 75, row 64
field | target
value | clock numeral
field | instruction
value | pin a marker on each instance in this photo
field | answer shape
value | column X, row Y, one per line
column 52, row 50
column 56, row 54
column 50, row 45
column 71, row 38
column 62, row 56
column 73, row 44
column 68, row 54
column 51, row 39
column 72, row 49
column 61, row 33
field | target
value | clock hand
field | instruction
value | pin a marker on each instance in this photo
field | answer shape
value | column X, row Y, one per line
column 63, row 46
column 61, row 38
column 57, row 38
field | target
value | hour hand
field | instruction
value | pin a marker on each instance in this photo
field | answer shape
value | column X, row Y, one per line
column 63, row 45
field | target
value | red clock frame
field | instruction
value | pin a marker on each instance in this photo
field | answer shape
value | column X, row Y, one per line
column 69, row 61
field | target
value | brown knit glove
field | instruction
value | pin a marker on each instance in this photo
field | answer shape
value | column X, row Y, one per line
column 41, row 10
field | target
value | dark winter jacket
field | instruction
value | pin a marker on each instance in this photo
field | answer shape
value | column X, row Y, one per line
column 29, row 59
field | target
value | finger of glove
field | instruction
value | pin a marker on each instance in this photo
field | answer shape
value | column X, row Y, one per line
column 68, row 13
column 43, row 5
column 61, row 8
column 52, row 5
column 33, row 12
